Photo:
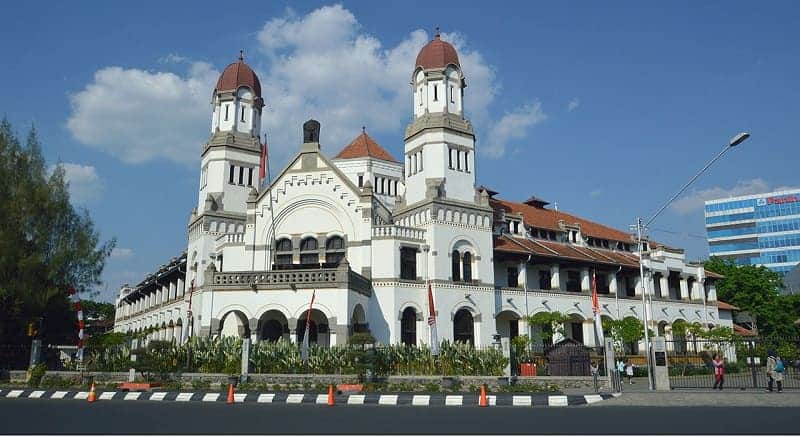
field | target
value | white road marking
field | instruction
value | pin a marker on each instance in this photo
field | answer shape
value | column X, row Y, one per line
column 265, row 398
column 322, row 399
column 521, row 401
column 591, row 399
column 107, row 395
column 492, row 400
column 423, row 400
column 132, row 396
column 456, row 400
column 239, row 397
column 210, row 397
column 14, row 394
column 356, row 400
column 58, row 395
column 557, row 401
column 36, row 394
column 387, row 400
column 158, row 396
column 81, row 395
column 295, row 398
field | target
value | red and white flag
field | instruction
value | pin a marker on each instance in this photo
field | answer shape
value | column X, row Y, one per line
column 304, row 346
column 598, row 325
column 432, row 323
column 262, row 169
column 76, row 303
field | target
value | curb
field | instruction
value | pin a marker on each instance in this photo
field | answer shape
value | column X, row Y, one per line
column 398, row 399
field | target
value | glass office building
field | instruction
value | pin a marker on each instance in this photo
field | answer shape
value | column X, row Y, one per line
column 760, row 229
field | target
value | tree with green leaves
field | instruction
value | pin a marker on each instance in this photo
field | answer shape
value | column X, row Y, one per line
column 46, row 245
column 755, row 289
column 549, row 323
column 625, row 332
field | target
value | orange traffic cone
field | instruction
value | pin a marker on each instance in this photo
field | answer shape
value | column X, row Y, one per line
column 482, row 401
column 92, row 395
column 331, row 398
column 231, row 399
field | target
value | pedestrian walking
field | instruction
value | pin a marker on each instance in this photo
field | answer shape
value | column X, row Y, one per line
column 629, row 371
column 775, row 369
column 719, row 371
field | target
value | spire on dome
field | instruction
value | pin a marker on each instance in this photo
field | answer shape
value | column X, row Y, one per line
column 241, row 55
column 437, row 54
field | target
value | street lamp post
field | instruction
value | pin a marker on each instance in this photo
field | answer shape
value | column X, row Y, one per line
column 641, row 228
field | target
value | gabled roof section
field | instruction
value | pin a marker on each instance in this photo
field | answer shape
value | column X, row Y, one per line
column 726, row 306
column 556, row 250
column 365, row 147
column 542, row 218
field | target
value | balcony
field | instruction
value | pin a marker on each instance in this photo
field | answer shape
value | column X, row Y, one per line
column 303, row 277
column 398, row 232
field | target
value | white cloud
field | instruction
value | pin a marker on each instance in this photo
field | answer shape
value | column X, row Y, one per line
column 121, row 253
column 695, row 201
column 321, row 65
column 139, row 115
column 573, row 104
column 596, row 192
column 84, row 183
column 512, row 126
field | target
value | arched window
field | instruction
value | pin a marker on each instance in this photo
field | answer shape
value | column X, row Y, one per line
column 283, row 255
column 308, row 251
column 456, row 264
column 463, row 327
column 334, row 250
column 467, row 261
column 408, row 327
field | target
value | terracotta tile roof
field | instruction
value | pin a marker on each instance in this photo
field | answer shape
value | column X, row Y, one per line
column 553, row 249
column 437, row 54
column 744, row 332
column 364, row 146
column 239, row 74
column 726, row 306
column 543, row 218
column 710, row 274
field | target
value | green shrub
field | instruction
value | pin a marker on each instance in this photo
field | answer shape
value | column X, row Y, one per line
column 37, row 373
column 172, row 386
column 432, row 387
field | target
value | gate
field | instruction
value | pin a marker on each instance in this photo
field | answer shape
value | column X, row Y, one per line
column 745, row 362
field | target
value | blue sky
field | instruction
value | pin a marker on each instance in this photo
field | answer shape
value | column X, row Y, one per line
column 603, row 107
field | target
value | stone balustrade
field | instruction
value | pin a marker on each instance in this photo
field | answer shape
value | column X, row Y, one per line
column 395, row 231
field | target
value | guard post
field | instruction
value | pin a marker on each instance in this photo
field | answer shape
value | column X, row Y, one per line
column 661, row 365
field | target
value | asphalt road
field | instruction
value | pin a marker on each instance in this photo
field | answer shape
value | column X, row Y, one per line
column 39, row 416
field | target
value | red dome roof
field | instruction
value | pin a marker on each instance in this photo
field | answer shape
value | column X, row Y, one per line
column 437, row 54
column 239, row 74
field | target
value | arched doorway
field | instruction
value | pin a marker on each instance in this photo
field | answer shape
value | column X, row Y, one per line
column 408, row 327
column 319, row 333
column 574, row 328
column 464, row 327
column 507, row 324
column 273, row 326
column 234, row 324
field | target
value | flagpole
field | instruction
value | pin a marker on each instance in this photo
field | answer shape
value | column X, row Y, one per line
column 270, row 244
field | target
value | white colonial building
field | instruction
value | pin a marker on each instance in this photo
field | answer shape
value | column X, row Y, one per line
column 366, row 233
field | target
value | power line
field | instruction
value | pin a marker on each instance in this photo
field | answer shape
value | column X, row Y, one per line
column 684, row 234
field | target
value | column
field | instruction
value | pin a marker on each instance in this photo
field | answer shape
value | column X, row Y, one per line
column 712, row 293
column 522, row 277
column 612, row 284
column 555, row 278
column 684, row 289
column 164, row 293
column 180, row 292
column 586, row 281
column 696, row 291
column 172, row 290
column 638, row 286
column 664, row 285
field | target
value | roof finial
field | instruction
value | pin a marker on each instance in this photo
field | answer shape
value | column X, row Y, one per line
column 438, row 34
column 241, row 55
column 363, row 129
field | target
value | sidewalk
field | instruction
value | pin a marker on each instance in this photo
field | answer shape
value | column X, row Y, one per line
column 638, row 394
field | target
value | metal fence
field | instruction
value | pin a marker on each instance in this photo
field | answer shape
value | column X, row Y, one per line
column 690, row 362
column 560, row 359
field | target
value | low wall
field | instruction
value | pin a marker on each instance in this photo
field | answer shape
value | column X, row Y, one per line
column 492, row 382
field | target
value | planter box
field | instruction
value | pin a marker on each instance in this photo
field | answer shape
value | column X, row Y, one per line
column 138, row 386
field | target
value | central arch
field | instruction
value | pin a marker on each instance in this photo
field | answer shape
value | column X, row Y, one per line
column 319, row 333
column 273, row 326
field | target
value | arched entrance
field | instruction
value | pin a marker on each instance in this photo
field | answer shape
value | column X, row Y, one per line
column 574, row 328
column 408, row 327
column 273, row 326
column 319, row 333
column 464, row 327
column 507, row 324
column 234, row 324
